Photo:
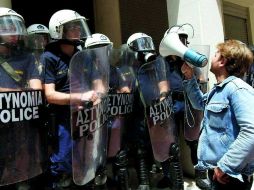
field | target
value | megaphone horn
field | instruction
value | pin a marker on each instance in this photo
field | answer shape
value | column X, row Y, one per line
column 172, row 45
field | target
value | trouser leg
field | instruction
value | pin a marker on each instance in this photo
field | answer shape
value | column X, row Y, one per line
column 201, row 178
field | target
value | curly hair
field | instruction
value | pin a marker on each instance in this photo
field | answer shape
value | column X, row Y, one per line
column 239, row 57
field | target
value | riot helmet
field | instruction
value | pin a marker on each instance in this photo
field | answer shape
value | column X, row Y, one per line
column 12, row 28
column 69, row 26
column 38, row 36
column 140, row 42
column 143, row 45
column 97, row 40
column 182, row 33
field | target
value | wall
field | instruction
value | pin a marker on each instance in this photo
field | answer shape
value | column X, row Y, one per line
column 5, row 3
column 107, row 20
column 146, row 16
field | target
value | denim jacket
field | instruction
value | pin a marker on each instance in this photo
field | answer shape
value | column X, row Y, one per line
column 227, row 137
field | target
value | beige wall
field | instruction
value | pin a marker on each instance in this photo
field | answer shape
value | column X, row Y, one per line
column 5, row 3
column 107, row 19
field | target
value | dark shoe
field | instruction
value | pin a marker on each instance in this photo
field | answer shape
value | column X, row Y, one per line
column 23, row 186
column 111, row 182
column 155, row 169
column 203, row 184
column 59, row 182
column 201, row 179
column 64, row 181
column 164, row 183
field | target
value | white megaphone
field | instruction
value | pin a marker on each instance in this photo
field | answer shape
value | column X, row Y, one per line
column 172, row 45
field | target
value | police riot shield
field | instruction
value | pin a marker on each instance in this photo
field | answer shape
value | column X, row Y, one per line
column 249, row 78
column 154, row 93
column 23, row 144
column 120, row 97
column 194, row 117
column 89, row 81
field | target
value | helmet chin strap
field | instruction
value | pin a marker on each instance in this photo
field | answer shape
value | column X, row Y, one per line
column 8, row 45
column 72, row 42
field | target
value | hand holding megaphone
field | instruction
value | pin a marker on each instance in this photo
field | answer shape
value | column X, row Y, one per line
column 172, row 45
column 187, row 71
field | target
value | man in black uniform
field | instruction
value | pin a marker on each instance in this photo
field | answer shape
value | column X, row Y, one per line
column 182, row 111
column 67, row 29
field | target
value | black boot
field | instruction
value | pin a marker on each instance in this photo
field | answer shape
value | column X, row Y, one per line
column 165, row 182
column 142, row 171
column 201, row 179
column 120, row 170
column 177, row 173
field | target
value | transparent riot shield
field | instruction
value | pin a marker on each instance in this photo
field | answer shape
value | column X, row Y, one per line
column 89, row 71
column 154, row 92
column 249, row 78
column 194, row 117
column 23, row 142
column 120, row 97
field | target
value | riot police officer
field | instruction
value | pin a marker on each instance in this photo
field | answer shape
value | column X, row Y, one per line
column 20, row 137
column 184, row 113
column 13, row 43
column 68, row 30
column 38, row 38
column 120, row 88
column 138, row 137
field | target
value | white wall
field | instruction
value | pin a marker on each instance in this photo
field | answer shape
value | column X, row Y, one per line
column 206, row 18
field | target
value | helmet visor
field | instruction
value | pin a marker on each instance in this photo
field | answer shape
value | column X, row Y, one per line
column 12, row 25
column 38, row 41
column 184, row 39
column 143, row 44
column 76, row 30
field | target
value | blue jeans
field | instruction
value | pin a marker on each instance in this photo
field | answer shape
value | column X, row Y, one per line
column 61, row 158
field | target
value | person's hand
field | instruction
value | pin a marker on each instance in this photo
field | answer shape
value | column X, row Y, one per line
column 220, row 176
column 163, row 95
column 89, row 96
column 124, row 89
column 187, row 71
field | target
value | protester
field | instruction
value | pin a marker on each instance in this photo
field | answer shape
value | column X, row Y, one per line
column 226, row 142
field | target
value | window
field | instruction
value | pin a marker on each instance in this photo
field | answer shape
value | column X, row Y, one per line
column 236, row 22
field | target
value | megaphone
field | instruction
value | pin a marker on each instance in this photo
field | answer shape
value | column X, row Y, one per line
column 172, row 45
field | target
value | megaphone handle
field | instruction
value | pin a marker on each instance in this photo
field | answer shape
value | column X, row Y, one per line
column 191, row 121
